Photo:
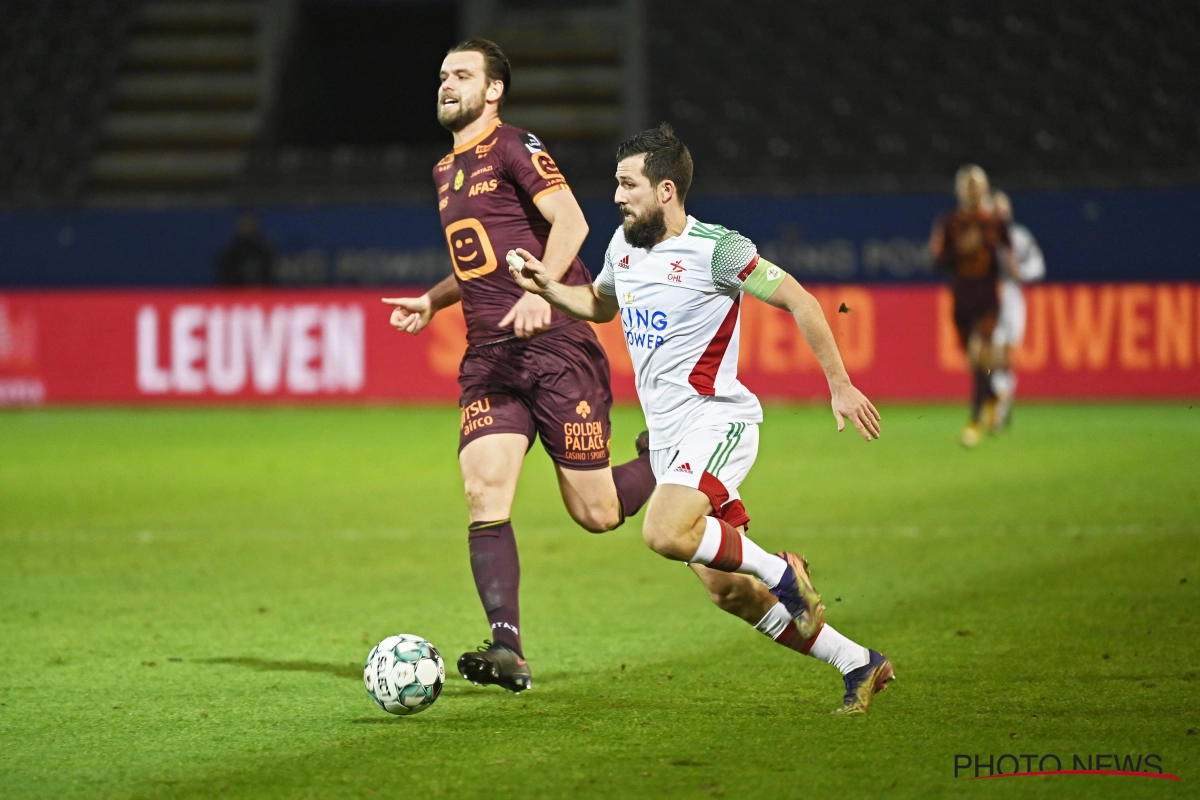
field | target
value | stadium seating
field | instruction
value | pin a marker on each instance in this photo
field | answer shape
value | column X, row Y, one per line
column 781, row 96
column 57, row 62
column 827, row 94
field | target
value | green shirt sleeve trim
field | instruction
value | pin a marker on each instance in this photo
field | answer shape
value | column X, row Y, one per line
column 764, row 280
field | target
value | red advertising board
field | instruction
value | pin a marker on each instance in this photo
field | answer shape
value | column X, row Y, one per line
column 1082, row 341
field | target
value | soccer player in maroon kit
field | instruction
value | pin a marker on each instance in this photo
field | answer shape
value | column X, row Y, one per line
column 967, row 246
column 528, row 370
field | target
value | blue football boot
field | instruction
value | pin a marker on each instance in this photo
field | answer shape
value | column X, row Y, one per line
column 865, row 682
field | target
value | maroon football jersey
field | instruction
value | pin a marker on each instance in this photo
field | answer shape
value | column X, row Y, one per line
column 966, row 245
column 487, row 189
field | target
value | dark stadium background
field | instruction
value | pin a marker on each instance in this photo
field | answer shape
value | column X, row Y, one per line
column 215, row 498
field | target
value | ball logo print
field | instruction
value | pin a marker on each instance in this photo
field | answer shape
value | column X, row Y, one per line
column 404, row 674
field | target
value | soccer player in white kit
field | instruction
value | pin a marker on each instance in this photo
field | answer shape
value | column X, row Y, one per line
column 678, row 285
column 1029, row 265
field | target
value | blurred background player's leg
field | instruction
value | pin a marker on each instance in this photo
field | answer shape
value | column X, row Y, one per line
column 979, row 329
column 1010, row 330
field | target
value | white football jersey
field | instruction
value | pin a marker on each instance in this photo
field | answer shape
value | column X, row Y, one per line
column 1030, row 263
column 680, row 302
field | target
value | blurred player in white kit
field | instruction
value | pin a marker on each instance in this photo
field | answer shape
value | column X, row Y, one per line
column 1027, row 265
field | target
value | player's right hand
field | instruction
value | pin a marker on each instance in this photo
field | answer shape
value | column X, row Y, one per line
column 532, row 276
column 410, row 314
column 851, row 404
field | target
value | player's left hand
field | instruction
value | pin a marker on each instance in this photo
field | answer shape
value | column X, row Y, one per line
column 850, row 403
column 529, row 316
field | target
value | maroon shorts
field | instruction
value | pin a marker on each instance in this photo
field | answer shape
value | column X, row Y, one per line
column 975, row 322
column 554, row 385
column 976, row 308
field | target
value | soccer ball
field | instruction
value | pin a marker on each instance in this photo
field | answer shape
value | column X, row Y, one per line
column 404, row 674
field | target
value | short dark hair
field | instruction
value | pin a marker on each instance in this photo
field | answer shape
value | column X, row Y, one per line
column 666, row 157
column 495, row 63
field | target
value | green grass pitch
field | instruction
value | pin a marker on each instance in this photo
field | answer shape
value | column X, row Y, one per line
column 186, row 598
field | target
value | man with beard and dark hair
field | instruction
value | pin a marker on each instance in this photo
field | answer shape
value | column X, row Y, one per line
column 678, row 285
column 528, row 371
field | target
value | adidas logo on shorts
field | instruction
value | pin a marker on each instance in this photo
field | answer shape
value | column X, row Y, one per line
column 685, row 468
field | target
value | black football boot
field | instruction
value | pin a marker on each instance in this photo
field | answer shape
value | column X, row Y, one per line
column 496, row 664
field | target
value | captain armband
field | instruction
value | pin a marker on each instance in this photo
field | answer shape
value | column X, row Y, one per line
column 763, row 280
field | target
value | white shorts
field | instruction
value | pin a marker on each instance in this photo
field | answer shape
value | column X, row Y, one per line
column 714, row 459
column 1010, row 325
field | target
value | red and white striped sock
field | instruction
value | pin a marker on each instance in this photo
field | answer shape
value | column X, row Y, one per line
column 828, row 645
column 833, row 648
column 781, row 628
column 723, row 548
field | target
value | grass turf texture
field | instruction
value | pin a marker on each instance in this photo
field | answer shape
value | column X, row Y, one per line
column 187, row 597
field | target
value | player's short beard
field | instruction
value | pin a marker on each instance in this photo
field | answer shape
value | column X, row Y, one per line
column 646, row 229
column 469, row 109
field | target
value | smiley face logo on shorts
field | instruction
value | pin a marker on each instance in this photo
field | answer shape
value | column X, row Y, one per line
column 583, row 409
column 470, row 249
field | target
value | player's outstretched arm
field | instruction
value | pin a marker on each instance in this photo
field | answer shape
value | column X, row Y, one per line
column 581, row 302
column 412, row 314
column 848, row 402
column 568, row 228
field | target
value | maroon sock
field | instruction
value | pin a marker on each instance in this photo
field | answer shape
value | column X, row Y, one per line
column 497, row 573
column 635, row 483
column 982, row 392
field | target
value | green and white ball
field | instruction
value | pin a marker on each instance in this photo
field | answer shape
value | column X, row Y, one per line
column 404, row 674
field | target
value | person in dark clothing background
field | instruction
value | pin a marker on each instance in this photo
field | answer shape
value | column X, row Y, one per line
column 249, row 259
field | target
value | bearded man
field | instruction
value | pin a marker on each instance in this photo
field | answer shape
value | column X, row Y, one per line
column 528, row 371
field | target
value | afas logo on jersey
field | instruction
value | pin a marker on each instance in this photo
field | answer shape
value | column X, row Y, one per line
column 532, row 144
column 481, row 187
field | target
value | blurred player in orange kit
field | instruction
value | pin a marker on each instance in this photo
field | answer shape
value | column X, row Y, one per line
column 529, row 371
column 969, row 245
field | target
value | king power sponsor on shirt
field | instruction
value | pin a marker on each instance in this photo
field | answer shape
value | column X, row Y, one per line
column 228, row 349
column 644, row 328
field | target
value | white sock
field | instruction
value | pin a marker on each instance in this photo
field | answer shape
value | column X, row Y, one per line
column 833, row 648
column 774, row 621
column 725, row 549
column 1004, row 382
